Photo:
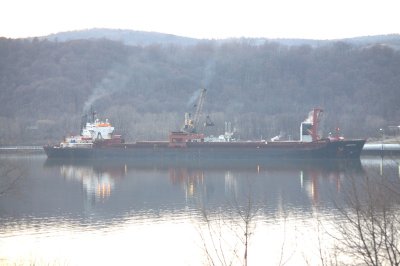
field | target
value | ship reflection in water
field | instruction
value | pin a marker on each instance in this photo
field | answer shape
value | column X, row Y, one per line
column 307, row 176
column 62, row 211
column 200, row 182
column 98, row 182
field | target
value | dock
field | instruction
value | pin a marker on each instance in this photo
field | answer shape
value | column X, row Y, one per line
column 21, row 149
column 381, row 149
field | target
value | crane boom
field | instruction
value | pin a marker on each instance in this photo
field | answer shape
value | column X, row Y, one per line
column 199, row 108
column 192, row 122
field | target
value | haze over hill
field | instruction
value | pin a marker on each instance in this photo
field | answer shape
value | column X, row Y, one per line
column 144, row 86
column 131, row 37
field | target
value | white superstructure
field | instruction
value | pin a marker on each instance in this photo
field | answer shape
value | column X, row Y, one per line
column 91, row 131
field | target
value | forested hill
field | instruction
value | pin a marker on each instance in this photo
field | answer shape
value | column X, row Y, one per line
column 132, row 37
column 264, row 89
column 128, row 37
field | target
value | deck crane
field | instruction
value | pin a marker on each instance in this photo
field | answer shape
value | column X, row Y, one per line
column 191, row 123
column 199, row 108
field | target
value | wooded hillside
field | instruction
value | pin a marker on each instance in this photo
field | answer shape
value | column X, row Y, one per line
column 263, row 90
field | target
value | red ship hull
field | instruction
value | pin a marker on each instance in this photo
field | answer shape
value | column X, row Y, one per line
column 334, row 149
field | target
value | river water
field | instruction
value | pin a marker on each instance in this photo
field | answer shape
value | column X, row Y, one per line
column 166, row 213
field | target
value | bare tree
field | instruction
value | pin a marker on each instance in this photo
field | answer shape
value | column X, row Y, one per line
column 228, row 232
column 369, row 223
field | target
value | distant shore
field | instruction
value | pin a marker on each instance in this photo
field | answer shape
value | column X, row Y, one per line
column 386, row 140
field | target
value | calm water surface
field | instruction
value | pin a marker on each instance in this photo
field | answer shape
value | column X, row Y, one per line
column 129, row 213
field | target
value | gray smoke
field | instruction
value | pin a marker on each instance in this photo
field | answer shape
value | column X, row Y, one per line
column 309, row 118
column 208, row 73
column 193, row 98
column 114, row 81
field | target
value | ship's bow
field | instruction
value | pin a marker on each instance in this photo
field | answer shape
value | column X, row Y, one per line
column 346, row 148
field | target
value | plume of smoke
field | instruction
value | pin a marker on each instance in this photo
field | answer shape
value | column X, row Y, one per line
column 208, row 73
column 193, row 98
column 115, row 80
column 309, row 119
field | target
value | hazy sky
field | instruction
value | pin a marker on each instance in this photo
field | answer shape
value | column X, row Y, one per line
column 312, row 19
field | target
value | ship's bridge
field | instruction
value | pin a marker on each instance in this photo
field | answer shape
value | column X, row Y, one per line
column 98, row 130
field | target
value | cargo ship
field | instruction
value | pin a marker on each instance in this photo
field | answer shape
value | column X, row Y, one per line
column 98, row 141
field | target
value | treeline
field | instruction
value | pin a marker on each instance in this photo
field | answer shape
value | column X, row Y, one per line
column 264, row 90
